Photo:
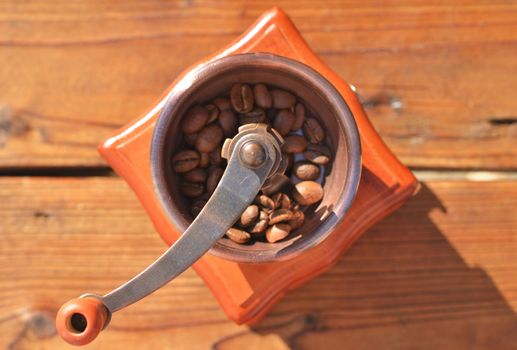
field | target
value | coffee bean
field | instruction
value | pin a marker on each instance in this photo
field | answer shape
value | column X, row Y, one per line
column 228, row 121
column 290, row 161
column 280, row 215
column 274, row 212
column 276, row 199
column 213, row 113
column 204, row 160
column 297, row 219
column 318, row 154
column 284, row 121
column 306, row 170
column 197, row 206
column 184, row 161
column 282, row 99
column 214, row 175
column 294, row 144
column 261, row 224
column 262, row 96
column 238, row 236
column 190, row 139
column 265, row 202
column 313, row 131
column 222, row 103
column 249, row 215
column 257, row 115
column 299, row 111
column 274, row 184
column 215, row 156
column 209, row 138
column 195, row 119
column 192, row 189
column 277, row 232
column 285, row 201
column 241, row 98
column 281, row 200
column 307, row 192
column 195, row 175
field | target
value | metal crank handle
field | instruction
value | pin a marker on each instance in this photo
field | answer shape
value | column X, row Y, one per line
column 253, row 156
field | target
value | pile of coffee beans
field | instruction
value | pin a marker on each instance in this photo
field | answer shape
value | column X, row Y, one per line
column 280, row 208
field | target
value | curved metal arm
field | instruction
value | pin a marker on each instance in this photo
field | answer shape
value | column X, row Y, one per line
column 80, row 320
column 238, row 187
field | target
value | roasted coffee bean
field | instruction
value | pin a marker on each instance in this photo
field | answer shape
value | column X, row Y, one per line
column 197, row 206
column 238, row 236
column 213, row 113
column 195, row 119
column 280, row 215
column 297, row 219
column 262, row 96
column 195, row 175
column 192, row 189
column 274, row 184
column 285, row 201
column 307, row 192
column 228, row 122
column 215, row 157
column 281, row 200
column 299, row 111
column 261, row 224
column 277, row 197
column 222, row 103
column 249, row 215
column 274, row 212
column 241, row 98
column 313, row 131
column 209, row 138
column 190, row 139
column 318, row 154
column 257, row 115
column 284, row 121
column 306, row 170
column 184, row 161
column 214, row 175
column 282, row 99
column 294, row 144
column 277, row 232
column 204, row 160
column 290, row 161
column 265, row 202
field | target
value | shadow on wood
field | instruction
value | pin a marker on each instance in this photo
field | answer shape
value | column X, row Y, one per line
column 398, row 287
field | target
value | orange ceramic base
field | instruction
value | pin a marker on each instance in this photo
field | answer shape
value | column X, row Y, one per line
column 247, row 291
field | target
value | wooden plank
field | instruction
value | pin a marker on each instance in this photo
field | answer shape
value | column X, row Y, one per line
column 439, row 273
column 438, row 79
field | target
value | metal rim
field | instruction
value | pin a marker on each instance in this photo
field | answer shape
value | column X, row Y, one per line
column 193, row 80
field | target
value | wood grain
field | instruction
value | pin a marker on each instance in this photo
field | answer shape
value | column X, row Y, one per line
column 439, row 273
column 438, row 79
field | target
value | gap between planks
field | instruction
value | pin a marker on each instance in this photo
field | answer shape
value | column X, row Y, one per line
column 421, row 174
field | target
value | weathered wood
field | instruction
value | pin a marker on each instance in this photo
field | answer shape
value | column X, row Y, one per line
column 439, row 273
column 439, row 80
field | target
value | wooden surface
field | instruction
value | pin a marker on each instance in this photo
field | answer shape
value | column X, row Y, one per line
column 439, row 85
column 439, row 79
column 439, row 273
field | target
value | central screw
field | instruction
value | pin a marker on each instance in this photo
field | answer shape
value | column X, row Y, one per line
column 253, row 154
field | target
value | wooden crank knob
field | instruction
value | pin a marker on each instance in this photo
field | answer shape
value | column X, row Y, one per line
column 80, row 320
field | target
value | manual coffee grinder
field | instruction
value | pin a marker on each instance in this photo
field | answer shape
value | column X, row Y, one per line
column 366, row 183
